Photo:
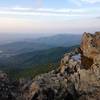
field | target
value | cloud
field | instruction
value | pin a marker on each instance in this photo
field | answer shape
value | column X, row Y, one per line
column 16, row 8
column 60, row 10
column 98, row 17
column 48, row 11
column 20, row 8
column 91, row 1
column 42, row 11
column 36, row 13
column 76, row 2
column 81, row 3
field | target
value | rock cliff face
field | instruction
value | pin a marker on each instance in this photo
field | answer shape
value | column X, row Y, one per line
column 90, row 49
column 77, row 78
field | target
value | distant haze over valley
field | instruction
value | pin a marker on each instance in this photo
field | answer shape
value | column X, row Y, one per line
column 8, row 38
column 15, row 37
column 29, row 51
column 26, row 43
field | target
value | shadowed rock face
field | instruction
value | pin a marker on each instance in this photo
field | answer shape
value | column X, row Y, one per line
column 90, row 49
column 8, row 89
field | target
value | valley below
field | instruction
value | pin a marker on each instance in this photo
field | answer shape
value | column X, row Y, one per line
column 22, row 59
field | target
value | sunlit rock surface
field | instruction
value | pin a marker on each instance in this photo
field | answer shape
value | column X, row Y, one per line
column 90, row 49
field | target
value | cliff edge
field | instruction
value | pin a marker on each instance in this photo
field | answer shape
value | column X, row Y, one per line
column 77, row 77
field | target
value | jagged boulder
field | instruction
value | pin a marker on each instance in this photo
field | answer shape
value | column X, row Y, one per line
column 51, row 86
column 3, row 76
column 90, row 49
column 70, row 62
column 64, row 62
column 9, row 90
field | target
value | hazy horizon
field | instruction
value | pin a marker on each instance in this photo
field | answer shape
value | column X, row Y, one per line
column 9, row 38
column 49, row 16
column 39, row 18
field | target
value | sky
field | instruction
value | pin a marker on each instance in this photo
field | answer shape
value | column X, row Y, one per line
column 49, row 16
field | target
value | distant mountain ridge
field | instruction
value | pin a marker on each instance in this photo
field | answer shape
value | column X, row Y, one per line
column 22, row 47
column 62, row 40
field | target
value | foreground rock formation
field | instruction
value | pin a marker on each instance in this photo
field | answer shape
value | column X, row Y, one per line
column 77, row 78
column 9, row 89
column 90, row 49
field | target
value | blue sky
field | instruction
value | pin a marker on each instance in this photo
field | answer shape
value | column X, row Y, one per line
column 49, row 16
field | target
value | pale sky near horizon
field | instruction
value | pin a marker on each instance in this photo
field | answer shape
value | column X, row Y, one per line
column 49, row 16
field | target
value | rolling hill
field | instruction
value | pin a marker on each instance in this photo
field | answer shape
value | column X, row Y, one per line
column 60, row 40
column 36, row 57
column 22, row 47
column 42, row 43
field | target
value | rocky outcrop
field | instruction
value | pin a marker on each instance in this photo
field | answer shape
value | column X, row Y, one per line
column 77, row 78
column 90, row 49
column 72, row 80
column 71, row 83
column 9, row 89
